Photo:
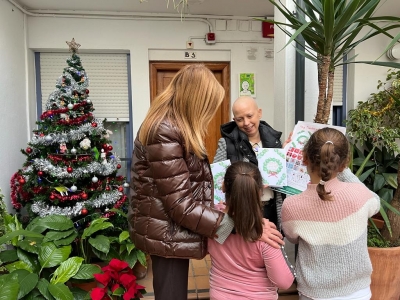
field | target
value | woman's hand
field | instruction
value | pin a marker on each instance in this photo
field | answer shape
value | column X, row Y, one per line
column 288, row 140
column 270, row 235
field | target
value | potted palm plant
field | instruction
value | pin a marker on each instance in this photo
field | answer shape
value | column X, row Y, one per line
column 375, row 125
column 331, row 29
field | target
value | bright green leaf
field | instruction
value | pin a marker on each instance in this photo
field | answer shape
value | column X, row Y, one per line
column 60, row 291
column 27, row 282
column 51, row 256
column 66, row 270
column 29, row 259
column 101, row 243
column 86, row 271
column 9, row 287
column 124, row 235
column 43, row 287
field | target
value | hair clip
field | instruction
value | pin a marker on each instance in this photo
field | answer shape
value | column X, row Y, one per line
column 329, row 142
column 321, row 182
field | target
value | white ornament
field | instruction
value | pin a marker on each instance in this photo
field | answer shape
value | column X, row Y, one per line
column 103, row 157
column 73, row 151
column 88, row 101
column 70, row 106
column 73, row 188
column 126, row 185
column 48, row 138
column 95, row 179
column 85, row 144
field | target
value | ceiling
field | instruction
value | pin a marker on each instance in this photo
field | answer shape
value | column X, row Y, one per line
column 244, row 8
column 195, row 7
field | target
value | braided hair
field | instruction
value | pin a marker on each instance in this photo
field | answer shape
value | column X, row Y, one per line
column 327, row 152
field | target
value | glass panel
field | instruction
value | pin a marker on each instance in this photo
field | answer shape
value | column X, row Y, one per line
column 118, row 139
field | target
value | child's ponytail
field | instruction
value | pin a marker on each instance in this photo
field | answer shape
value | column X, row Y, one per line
column 243, row 186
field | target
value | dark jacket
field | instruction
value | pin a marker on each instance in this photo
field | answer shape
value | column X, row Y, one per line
column 170, row 212
column 238, row 145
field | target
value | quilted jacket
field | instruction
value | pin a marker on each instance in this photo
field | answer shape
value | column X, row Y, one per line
column 170, row 213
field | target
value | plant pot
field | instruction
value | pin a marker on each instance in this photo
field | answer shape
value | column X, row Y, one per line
column 139, row 271
column 385, row 281
column 86, row 286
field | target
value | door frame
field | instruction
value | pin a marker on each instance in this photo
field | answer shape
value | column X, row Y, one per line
column 224, row 67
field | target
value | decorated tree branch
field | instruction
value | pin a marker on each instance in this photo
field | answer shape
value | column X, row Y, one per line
column 70, row 168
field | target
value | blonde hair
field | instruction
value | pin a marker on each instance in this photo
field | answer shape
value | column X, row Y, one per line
column 189, row 101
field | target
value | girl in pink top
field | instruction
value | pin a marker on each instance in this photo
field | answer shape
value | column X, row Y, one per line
column 244, row 267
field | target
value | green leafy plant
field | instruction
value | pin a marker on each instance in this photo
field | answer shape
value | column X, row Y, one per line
column 331, row 29
column 92, row 241
column 39, row 264
column 120, row 244
column 375, row 126
column 377, row 169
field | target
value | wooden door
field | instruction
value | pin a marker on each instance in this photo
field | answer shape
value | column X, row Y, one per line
column 161, row 74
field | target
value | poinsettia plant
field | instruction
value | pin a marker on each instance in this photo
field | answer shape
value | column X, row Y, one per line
column 118, row 282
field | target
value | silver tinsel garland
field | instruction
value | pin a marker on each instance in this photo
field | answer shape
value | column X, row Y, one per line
column 104, row 199
column 94, row 167
column 80, row 87
column 73, row 135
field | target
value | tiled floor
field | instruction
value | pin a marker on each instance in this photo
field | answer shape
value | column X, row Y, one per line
column 198, row 282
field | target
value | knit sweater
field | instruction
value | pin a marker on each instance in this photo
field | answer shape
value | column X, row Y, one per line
column 332, row 258
column 247, row 270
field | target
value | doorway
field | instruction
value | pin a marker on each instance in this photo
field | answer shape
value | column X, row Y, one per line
column 161, row 74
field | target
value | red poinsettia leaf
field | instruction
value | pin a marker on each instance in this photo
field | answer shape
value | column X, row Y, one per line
column 133, row 291
column 114, row 287
column 98, row 293
column 127, row 280
column 104, row 278
column 118, row 265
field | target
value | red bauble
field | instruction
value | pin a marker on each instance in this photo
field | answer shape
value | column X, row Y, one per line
column 52, row 197
column 105, row 146
column 87, row 91
column 120, row 189
column 84, row 211
column 94, row 124
column 28, row 150
column 40, row 173
column 70, row 170
column 107, row 188
column 109, row 148
column 84, row 196
column 21, row 181
column 118, row 166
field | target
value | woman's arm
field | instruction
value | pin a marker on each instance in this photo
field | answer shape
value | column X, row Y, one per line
column 172, row 179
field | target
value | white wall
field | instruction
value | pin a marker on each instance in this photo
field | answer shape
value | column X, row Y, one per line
column 14, row 116
column 138, row 37
column 366, row 76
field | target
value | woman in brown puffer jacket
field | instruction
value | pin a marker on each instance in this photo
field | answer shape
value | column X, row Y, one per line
column 171, row 214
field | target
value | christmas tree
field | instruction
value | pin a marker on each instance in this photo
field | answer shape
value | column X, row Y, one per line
column 70, row 167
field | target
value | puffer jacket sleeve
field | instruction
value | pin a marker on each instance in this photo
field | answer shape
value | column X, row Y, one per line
column 172, row 179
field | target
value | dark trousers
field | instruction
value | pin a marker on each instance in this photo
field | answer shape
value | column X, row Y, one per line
column 170, row 278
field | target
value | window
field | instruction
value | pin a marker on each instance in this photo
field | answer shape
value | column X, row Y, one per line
column 109, row 82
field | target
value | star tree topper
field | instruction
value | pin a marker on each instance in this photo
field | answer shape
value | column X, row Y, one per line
column 73, row 46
